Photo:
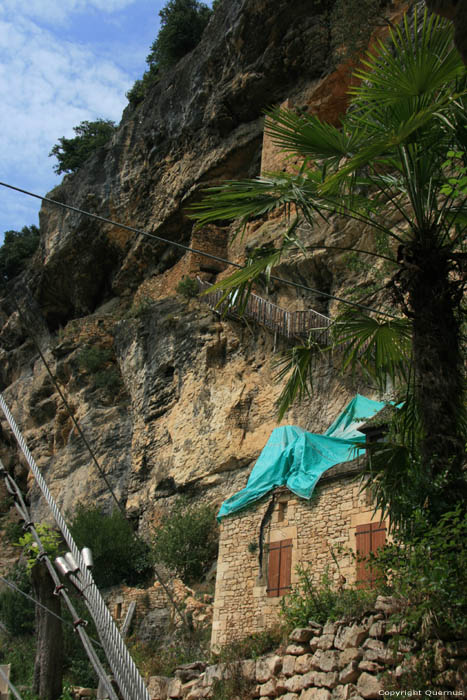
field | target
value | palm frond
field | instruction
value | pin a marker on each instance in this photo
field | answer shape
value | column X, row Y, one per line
column 306, row 136
column 295, row 367
column 413, row 64
column 237, row 287
column 382, row 348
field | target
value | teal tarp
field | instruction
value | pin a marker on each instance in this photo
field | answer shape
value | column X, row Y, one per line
column 296, row 459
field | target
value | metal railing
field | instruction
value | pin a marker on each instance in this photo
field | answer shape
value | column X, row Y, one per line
column 291, row 324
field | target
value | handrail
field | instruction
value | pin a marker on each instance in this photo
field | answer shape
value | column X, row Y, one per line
column 291, row 324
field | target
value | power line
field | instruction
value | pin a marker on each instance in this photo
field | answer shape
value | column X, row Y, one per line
column 189, row 249
column 127, row 675
column 16, row 588
column 70, row 412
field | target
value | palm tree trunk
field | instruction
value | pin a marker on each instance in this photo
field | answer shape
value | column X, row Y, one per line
column 433, row 295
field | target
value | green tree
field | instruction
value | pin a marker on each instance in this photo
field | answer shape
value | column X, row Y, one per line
column 391, row 158
column 118, row 553
column 182, row 25
column 187, row 541
column 72, row 153
column 17, row 248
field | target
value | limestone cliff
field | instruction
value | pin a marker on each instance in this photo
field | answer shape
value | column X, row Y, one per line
column 183, row 401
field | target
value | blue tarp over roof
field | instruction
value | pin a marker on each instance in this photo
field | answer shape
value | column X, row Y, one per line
column 296, row 459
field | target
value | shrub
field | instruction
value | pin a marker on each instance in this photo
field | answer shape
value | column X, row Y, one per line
column 94, row 357
column 16, row 611
column 188, row 287
column 72, row 153
column 187, row 541
column 428, row 573
column 251, row 647
column 140, row 87
column 308, row 601
column 161, row 659
column 96, row 360
column 119, row 554
column 182, row 25
column 17, row 248
column 20, row 653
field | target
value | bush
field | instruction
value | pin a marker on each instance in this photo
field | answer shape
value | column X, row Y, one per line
column 161, row 659
column 137, row 93
column 119, row 554
column 428, row 573
column 16, row 611
column 188, row 287
column 96, row 360
column 72, row 153
column 251, row 647
column 320, row 603
column 182, row 26
column 20, row 653
column 17, row 248
column 187, row 541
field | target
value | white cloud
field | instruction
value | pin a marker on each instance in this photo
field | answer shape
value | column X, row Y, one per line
column 47, row 86
column 59, row 12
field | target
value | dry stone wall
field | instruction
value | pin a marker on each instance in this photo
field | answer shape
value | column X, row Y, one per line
column 337, row 661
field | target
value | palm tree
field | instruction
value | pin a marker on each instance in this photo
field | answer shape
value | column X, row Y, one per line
column 400, row 149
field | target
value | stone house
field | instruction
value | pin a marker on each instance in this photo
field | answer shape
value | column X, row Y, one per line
column 261, row 546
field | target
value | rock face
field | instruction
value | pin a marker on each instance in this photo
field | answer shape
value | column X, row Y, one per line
column 181, row 401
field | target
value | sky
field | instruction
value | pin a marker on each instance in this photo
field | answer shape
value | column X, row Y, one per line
column 61, row 62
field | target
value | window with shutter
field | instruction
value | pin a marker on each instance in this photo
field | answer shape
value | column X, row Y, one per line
column 279, row 568
column 369, row 539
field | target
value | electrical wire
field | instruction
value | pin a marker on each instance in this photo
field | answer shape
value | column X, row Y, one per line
column 60, row 590
column 27, row 328
column 189, row 249
column 124, row 669
column 16, row 588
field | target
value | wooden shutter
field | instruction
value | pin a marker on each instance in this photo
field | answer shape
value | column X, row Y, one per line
column 369, row 539
column 279, row 568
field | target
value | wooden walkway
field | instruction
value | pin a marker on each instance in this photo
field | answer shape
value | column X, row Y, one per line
column 291, row 324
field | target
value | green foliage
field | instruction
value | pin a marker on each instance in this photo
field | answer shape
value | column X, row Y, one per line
column 322, row 602
column 17, row 248
column 182, row 25
column 51, row 542
column 97, row 359
column 187, row 541
column 399, row 153
column 161, row 659
column 251, row 647
column 188, row 287
column 93, row 358
column 119, row 554
column 428, row 573
column 20, row 653
column 140, row 87
column 72, row 153
column 16, row 611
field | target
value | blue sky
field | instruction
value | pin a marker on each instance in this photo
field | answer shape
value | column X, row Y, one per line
column 61, row 62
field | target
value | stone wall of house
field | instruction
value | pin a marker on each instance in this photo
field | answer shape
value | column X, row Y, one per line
column 323, row 526
column 356, row 659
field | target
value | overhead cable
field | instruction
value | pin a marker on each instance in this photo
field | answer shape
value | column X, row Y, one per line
column 128, row 678
column 189, row 249
column 59, row 590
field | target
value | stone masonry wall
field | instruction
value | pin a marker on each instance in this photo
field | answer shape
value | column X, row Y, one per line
column 324, row 524
column 338, row 661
